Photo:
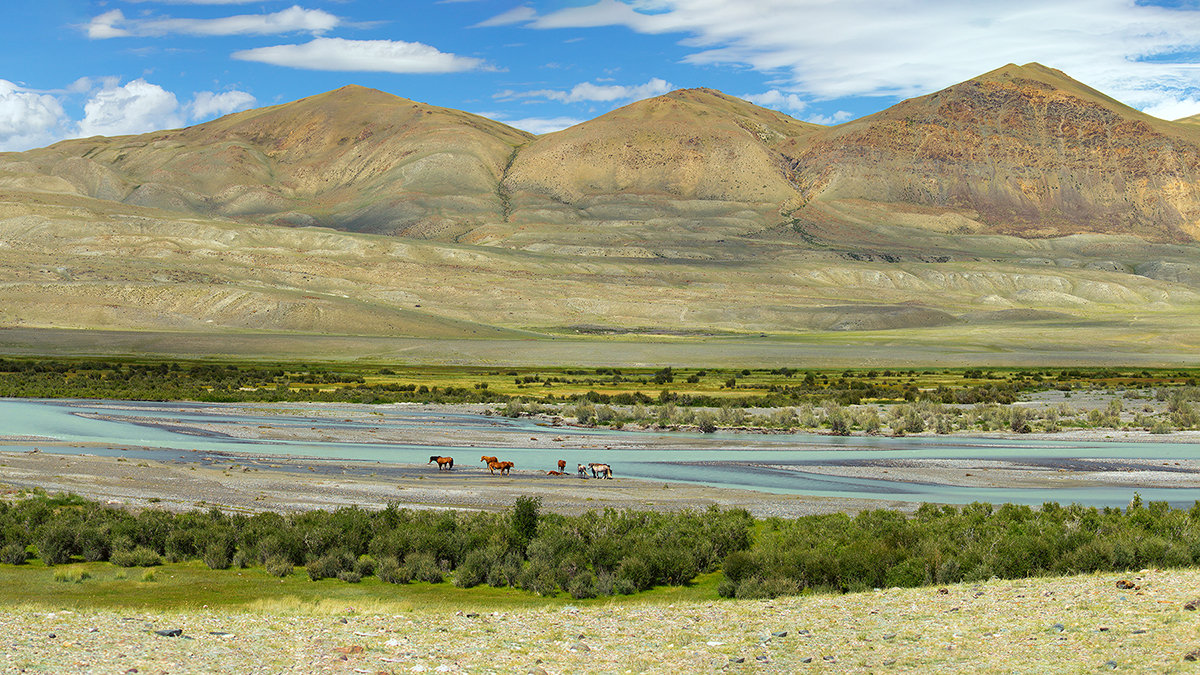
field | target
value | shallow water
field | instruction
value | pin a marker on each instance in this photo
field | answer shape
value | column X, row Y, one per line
column 726, row 460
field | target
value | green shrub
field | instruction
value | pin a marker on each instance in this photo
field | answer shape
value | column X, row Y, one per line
column 423, row 567
column 583, row 586
column 138, row 557
column 56, row 544
column 365, row 565
column 216, row 556
column 392, row 572
column 279, row 567
column 13, row 554
column 330, row 565
column 349, row 576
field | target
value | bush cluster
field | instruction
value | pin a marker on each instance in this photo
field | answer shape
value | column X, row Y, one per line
column 592, row 554
column 945, row 544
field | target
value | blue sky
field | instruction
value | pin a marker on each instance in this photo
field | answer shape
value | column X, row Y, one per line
column 71, row 68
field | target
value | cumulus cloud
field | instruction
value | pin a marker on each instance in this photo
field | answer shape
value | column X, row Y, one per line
column 387, row 56
column 588, row 91
column 777, row 100
column 1136, row 51
column 206, row 105
column 295, row 19
column 136, row 107
column 28, row 119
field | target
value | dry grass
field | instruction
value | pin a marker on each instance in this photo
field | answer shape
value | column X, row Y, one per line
column 1071, row 625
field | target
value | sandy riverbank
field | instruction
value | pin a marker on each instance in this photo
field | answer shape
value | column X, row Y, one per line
column 202, row 480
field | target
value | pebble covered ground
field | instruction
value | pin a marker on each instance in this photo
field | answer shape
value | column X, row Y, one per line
column 1093, row 623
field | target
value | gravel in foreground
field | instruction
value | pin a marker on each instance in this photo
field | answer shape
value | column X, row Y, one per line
column 1080, row 624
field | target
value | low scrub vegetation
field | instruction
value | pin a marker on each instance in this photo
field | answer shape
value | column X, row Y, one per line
column 615, row 552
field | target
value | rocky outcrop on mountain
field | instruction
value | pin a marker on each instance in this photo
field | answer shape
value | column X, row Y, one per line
column 1025, row 150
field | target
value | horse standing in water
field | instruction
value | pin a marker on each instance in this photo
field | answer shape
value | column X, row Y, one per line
column 562, row 465
column 446, row 463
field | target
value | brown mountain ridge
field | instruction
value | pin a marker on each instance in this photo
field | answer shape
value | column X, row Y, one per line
column 1022, row 150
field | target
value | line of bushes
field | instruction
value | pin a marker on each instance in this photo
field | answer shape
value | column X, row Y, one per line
column 618, row 552
column 945, row 544
column 597, row 553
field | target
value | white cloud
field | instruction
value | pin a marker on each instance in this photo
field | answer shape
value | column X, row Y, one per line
column 1138, row 52
column 206, row 105
column 134, row 108
column 388, row 56
column 28, row 120
column 587, row 91
column 294, row 19
column 777, row 100
column 104, row 26
column 829, row 120
column 515, row 15
column 539, row 125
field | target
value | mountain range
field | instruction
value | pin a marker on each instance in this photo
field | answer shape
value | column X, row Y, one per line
column 1017, row 196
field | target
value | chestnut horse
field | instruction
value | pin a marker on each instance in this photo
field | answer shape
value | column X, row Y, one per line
column 493, row 466
column 505, row 467
column 488, row 460
column 562, row 465
column 446, row 463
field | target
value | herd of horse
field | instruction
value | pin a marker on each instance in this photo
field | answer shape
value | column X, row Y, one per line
column 597, row 469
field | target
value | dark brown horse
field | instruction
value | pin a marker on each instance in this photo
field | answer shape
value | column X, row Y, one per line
column 562, row 465
column 446, row 463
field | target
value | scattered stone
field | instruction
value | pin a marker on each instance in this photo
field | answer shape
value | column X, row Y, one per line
column 807, row 659
column 1192, row 655
column 737, row 659
column 829, row 658
column 1126, row 584
column 1103, row 629
column 1110, row 664
column 351, row 649
column 943, row 591
column 1058, row 628
column 1138, row 631
column 472, row 615
column 889, row 662
column 170, row 632
column 761, row 657
column 804, row 631
column 889, row 636
column 52, row 635
column 536, row 671
column 779, row 633
column 580, row 647
column 219, row 633
column 1191, row 605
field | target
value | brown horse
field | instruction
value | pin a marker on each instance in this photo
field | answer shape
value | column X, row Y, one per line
column 562, row 465
column 505, row 467
column 600, row 470
column 446, row 463
column 488, row 460
column 494, row 466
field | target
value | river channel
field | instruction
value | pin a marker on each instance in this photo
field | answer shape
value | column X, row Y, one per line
column 775, row 463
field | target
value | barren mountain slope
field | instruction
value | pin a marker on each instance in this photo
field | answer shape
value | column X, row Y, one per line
column 354, row 158
column 690, row 155
column 1025, row 150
